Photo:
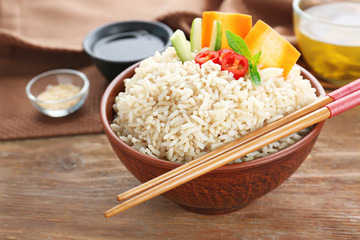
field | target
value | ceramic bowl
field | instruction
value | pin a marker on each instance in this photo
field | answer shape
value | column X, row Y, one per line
column 63, row 104
column 225, row 189
column 116, row 46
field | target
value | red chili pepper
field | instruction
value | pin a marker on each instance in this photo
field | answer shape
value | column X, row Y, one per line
column 207, row 56
column 223, row 52
column 235, row 63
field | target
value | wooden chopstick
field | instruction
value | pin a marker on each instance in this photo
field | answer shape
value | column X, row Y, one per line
column 349, row 96
column 269, row 127
column 220, row 160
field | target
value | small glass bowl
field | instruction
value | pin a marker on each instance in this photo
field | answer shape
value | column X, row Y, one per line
column 63, row 106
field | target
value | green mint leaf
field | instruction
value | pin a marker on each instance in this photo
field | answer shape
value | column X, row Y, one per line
column 240, row 47
column 256, row 58
column 254, row 74
column 238, row 44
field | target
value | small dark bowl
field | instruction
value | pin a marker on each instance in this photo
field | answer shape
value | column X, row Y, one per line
column 111, row 66
column 225, row 189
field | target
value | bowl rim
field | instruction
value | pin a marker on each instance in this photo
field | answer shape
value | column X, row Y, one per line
column 87, row 42
column 82, row 91
column 228, row 167
column 299, row 10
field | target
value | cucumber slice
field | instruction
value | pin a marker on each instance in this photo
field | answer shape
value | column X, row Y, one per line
column 216, row 36
column 181, row 45
column 195, row 35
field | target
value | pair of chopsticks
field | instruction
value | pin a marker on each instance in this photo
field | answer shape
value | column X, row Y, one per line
column 332, row 104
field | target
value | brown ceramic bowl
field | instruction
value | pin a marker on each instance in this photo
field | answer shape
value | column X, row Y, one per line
column 225, row 189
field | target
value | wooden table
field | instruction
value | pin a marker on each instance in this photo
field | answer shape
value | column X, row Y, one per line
column 58, row 188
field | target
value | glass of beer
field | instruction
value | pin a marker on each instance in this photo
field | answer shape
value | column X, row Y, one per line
column 328, row 35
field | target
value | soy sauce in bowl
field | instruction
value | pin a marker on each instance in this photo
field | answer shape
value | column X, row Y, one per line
column 116, row 46
column 128, row 46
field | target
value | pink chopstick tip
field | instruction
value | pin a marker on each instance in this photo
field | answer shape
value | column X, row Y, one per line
column 345, row 90
column 343, row 104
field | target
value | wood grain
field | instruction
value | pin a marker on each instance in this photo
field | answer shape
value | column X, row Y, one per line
column 58, row 188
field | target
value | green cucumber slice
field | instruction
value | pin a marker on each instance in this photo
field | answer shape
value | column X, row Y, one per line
column 216, row 36
column 181, row 45
column 195, row 35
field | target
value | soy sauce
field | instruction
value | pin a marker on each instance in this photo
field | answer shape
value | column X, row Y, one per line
column 128, row 46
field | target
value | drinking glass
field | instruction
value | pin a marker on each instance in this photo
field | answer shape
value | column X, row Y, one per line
column 328, row 35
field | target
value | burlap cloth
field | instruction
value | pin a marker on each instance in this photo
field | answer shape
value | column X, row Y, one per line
column 41, row 35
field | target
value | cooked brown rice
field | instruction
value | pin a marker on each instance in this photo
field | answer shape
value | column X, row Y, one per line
column 178, row 112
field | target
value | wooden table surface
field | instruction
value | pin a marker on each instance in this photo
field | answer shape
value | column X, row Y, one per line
column 59, row 188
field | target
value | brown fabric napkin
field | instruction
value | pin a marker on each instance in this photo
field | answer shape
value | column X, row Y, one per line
column 19, row 119
column 41, row 35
